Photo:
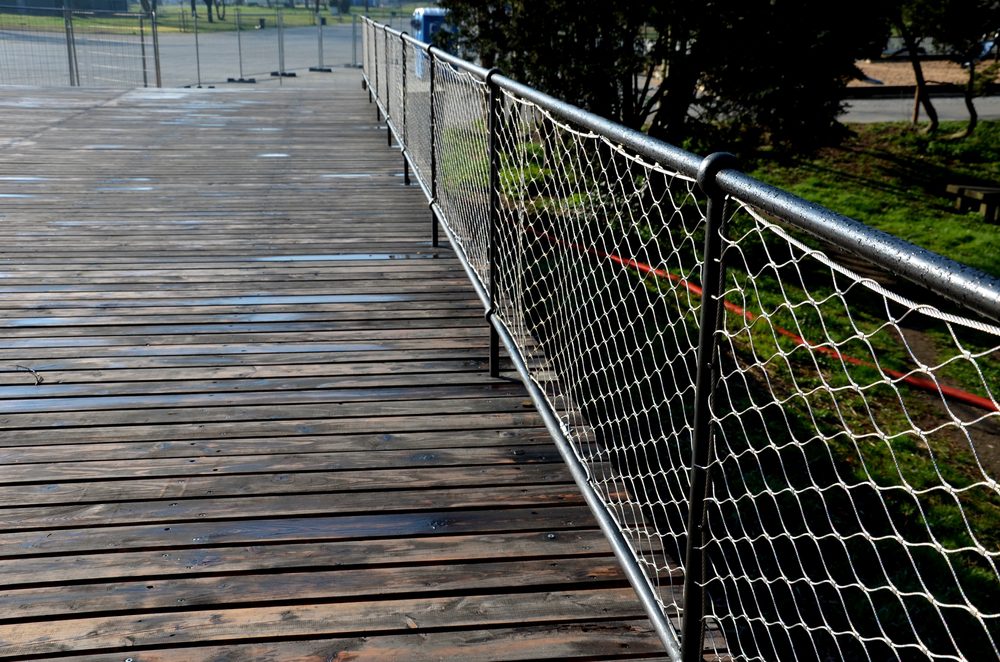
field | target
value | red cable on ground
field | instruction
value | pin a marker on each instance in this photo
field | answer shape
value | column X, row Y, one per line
column 916, row 382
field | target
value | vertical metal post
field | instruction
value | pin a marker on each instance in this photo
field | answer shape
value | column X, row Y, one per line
column 493, row 122
column 197, row 49
column 319, row 36
column 156, row 50
column 402, row 96
column 433, row 128
column 374, row 41
column 76, row 59
column 354, row 40
column 142, row 46
column 388, row 81
column 281, row 41
column 712, row 282
column 239, row 41
column 70, row 46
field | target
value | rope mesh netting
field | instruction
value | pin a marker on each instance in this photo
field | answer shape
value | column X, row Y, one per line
column 852, row 501
column 463, row 162
column 418, row 124
column 44, row 46
column 394, row 87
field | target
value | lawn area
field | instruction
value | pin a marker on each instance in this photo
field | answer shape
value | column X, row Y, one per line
column 893, row 178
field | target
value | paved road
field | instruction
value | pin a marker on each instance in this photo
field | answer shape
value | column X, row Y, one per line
column 893, row 110
column 219, row 53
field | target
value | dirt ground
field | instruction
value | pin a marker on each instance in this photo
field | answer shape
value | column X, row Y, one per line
column 901, row 73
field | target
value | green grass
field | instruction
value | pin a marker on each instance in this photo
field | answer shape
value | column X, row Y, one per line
column 178, row 18
column 893, row 178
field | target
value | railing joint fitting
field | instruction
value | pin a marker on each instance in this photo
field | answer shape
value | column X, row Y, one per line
column 710, row 168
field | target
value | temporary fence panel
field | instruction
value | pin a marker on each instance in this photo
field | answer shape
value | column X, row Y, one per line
column 55, row 47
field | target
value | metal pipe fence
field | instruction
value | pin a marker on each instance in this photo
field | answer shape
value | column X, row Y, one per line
column 53, row 46
column 786, row 422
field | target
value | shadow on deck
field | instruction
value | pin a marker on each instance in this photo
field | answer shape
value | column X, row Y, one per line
column 244, row 410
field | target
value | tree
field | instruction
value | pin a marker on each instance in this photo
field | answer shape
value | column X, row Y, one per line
column 585, row 51
column 761, row 71
column 957, row 26
column 775, row 72
column 905, row 19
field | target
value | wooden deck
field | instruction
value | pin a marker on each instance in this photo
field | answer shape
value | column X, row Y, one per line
column 244, row 411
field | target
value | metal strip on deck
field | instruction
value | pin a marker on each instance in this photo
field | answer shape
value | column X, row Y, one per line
column 244, row 406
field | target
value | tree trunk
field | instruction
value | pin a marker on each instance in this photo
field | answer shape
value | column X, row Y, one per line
column 970, row 93
column 922, row 95
column 679, row 92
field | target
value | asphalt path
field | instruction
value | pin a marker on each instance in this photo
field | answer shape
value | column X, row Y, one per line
column 216, row 57
column 901, row 109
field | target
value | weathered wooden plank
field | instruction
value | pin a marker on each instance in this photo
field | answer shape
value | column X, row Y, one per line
column 311, row 584
column 209, row 378
column 385, row 424
column 278, row 356
column 109, row 346
column 229, row 300
column 292, row 529
column 133, row 317
column 265, row 412
column 604, row 640
column 213, row 350
column 470, row 611
column 122, row 566
column 400, row 391
column 302, row 482
column 164, row 511
column 48, row 333
column 64, row 450
column 54, row 472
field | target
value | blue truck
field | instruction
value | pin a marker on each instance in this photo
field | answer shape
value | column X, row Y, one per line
column 427, row 22
column 424, row 25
